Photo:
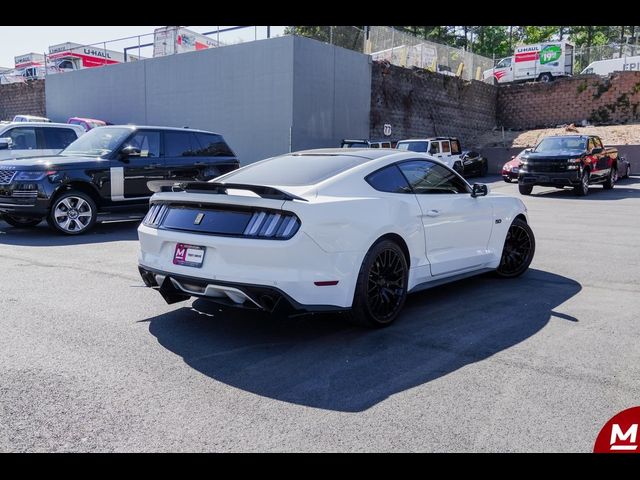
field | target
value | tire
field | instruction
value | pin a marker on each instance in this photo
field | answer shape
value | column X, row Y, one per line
column 627, row 172
column 525, row 189
column 612, row 178
column 484, row 169
column 20, row 222
column 82, row 217
column 375, row 305
column 545, row 77
column 518, row 250
column 582, row 189
column 507, row 179
column 458, row 168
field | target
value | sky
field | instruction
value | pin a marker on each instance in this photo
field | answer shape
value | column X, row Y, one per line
column 20, row 40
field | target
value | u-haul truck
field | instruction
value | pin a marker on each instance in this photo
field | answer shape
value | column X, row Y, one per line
column 541, row 62
column 170, row 40
column 73, row 56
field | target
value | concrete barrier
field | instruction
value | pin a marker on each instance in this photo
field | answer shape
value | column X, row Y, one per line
column 498, row 156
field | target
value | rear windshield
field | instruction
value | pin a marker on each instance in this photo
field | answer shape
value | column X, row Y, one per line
column 413, row 146
column 293, row 170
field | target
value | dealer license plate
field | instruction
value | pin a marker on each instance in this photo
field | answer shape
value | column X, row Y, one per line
column 188, row 255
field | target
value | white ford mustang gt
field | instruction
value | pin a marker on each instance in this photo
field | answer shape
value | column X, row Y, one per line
column 329, row 229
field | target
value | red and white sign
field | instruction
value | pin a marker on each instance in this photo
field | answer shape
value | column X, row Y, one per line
column 188, row 255
column 620, row 434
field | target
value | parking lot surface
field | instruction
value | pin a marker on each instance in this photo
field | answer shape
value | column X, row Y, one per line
column 90, row 360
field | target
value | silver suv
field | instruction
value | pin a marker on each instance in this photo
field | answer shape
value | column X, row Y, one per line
column 29, row 139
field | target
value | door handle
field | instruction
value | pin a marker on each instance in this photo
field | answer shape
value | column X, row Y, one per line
column 432, row 213
column 153, row 165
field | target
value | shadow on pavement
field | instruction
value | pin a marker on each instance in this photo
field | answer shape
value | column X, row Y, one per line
column 320, row 361
column 620, row 191
column 43, row 236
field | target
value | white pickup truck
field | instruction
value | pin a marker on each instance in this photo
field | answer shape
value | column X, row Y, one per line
column 445, row 149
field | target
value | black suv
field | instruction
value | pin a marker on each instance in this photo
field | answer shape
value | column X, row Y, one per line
column 104, row 174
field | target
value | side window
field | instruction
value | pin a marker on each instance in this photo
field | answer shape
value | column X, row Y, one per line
column 445, row 147
column 212, row 146
column 58, row 138
column 455, row 147
column 23, row 138
column 591, row 145
column 434, row 148
column 598, row 142
column 426, row 177
column 389, row 179
column 178, row 144
column 386, row 145
column 148, row 142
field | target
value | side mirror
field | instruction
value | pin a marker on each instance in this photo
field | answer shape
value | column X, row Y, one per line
column 128, row 152
column 5, row 143
column 527, row 150
column 479, row 190
column 597, row 150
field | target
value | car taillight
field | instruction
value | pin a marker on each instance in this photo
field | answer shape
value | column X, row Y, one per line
column 154, row 215
column 272, row 225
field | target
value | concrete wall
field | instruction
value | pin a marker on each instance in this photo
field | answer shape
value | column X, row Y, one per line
column 260, row 95
column 22, row 99
column 612, row 99
column 419, row 103
column 331, row 95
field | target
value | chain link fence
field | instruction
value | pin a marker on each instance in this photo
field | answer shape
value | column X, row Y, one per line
column 404, row 49
column 584, row 56
column 400, row 48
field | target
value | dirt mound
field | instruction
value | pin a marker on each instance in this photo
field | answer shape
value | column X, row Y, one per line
column 610, row 134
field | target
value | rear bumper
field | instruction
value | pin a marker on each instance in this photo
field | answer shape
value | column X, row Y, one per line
column 282, row 269
column 176, row 288
column 552, row 179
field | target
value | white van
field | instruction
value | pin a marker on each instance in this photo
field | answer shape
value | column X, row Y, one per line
column 622, row 64
column 541, row 61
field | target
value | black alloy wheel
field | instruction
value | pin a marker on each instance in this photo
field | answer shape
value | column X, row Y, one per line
column 582, row 189
column 519, row 248
column 20, row 222
column 381, row 289
column 612, row 178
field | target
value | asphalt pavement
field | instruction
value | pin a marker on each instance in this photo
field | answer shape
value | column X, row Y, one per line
column 90, row 360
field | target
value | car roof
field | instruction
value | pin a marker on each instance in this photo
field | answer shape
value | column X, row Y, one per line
column 366, row 153
column 427, row 139
column 38, row 124
column 156, row 127
column 569, row 136
column 86, row 119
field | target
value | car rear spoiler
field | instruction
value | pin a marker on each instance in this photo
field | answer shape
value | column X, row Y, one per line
column 220, row 189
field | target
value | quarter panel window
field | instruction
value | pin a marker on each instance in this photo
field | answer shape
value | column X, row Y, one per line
column 389, row 179
column 210, row 145
column 426, row 177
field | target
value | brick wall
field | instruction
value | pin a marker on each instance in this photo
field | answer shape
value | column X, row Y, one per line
column 419, row 103
column 22, row 98
column 613, row 99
